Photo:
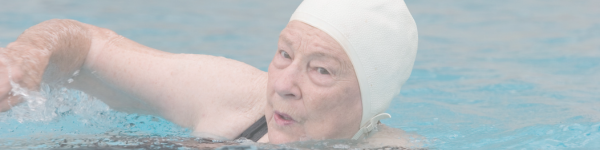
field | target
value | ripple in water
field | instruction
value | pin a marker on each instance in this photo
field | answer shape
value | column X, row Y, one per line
column 57, row 117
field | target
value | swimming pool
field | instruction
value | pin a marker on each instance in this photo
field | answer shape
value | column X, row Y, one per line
column 488, row 75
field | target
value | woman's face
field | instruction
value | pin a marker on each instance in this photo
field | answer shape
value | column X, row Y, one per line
column 312, row 91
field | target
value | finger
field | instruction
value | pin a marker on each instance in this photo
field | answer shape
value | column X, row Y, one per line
column 5, row 87
column 10, row 102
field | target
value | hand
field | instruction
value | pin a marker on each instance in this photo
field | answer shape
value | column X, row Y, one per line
column 21, row 68
column 6, row 99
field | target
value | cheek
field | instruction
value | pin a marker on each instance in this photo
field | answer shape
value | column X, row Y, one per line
column 334, row 114
column 325, row 101
column 323, row 108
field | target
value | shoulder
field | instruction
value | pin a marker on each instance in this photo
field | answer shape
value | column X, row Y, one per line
column 229, row 94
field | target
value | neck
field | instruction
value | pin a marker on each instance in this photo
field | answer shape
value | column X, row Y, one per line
column 264, row 139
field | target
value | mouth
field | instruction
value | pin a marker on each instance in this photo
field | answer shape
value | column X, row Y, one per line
column 282, row 118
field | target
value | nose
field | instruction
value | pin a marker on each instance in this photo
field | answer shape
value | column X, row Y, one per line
column 286, row 84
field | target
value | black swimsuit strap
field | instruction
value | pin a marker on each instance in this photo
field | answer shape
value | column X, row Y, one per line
column 256, row 130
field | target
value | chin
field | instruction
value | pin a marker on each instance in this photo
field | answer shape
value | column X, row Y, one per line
column 276, row 137
column 278, row 140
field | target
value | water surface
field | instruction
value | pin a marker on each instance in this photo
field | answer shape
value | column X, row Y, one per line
column 516, row 74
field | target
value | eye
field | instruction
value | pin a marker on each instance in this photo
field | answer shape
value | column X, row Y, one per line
column 285, row 55
column 322, row 70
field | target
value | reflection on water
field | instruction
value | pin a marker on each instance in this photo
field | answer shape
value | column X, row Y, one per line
column 72, row 119
column 514, row 74
column 104, row 141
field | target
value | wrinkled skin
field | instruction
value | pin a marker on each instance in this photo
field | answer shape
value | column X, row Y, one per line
column 24, row 61
column 312, row 80
column 27, row 76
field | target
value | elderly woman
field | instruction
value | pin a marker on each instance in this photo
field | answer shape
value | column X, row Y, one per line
column 338, row 65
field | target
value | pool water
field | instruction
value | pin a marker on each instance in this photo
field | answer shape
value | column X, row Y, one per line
column 515, row 74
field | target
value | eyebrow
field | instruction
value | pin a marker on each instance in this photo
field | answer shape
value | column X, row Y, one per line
column 344, row 65
column 321, row 54
column 325, row 55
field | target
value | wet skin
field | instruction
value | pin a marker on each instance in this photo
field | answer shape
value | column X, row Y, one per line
column 312, row 90
column 309, row 92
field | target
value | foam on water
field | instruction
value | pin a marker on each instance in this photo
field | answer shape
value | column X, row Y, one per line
column 57, row 117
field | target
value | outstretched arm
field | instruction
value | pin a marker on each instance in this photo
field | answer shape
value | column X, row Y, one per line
column 187, row 89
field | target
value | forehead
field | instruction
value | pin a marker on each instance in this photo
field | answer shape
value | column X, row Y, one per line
column 303, row 35
column 303, row 38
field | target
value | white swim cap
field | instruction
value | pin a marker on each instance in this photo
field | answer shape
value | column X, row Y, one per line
column 379, row 36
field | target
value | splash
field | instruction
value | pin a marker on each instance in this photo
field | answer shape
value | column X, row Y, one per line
column 56, row 117
column 34, row 105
